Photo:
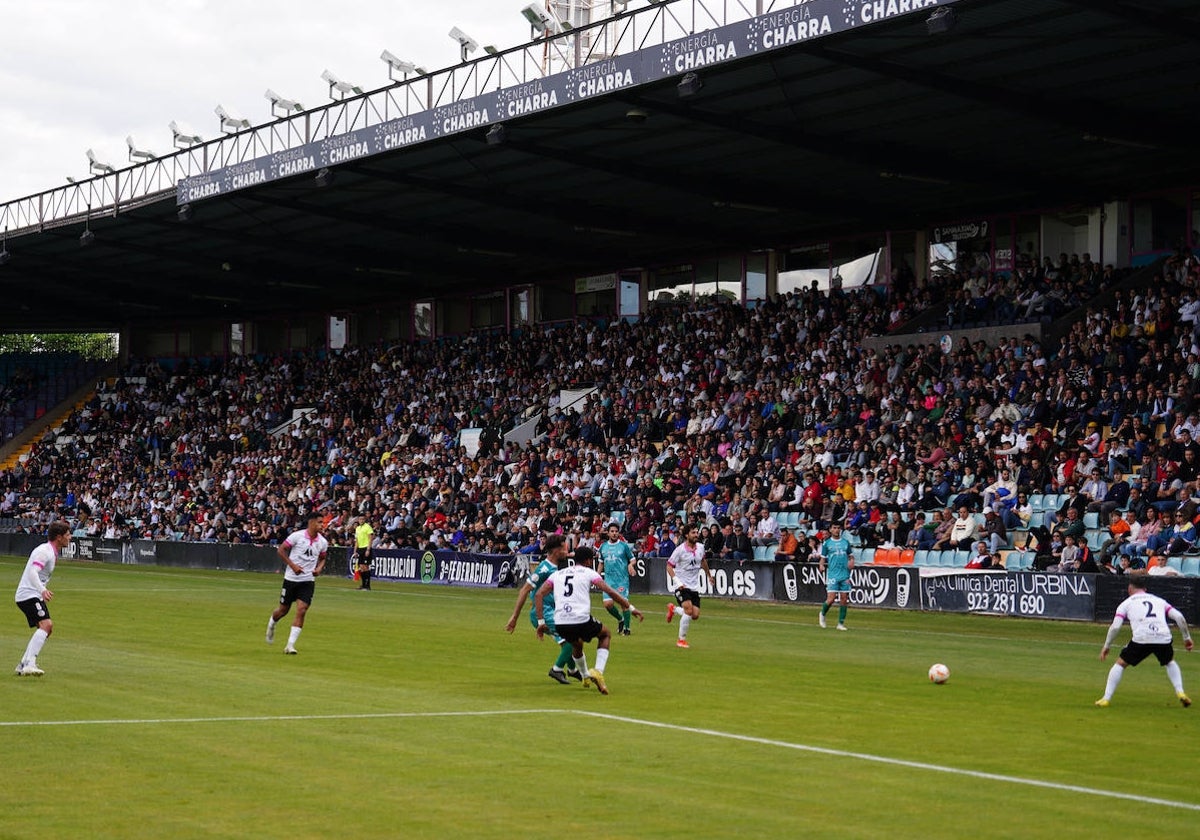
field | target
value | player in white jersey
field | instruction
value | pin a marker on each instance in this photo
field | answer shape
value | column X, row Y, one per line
column 572, row 588
column 304, row 553
column 1147, row 616
column 686, row 563
column 33, row 591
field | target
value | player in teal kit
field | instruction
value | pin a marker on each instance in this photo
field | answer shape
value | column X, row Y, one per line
column 836, row 562
column 616, row 556
column 556, row 554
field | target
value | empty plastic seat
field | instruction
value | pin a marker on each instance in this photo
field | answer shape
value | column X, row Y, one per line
column 1035, row 501
column 1091, row 519
column 1190, row 566
column 921, row 558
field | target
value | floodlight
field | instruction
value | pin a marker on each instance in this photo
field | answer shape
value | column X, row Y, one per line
column 465, row 41
column 87, row 237
column 941, row 21
column 397, row 65
column 96, row 167
column 280, row 104
column 136, row 154
column 541, row 20
column 182, row 138
column 336, row 84
column 229, row 123
column 689, row 85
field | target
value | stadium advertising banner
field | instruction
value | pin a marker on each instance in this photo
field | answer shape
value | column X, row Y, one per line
column 1026, row 594
column 805, row 21
column 452, row 568
column 753, row 581
column 893, row 587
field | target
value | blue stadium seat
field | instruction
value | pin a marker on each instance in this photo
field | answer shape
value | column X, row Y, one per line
column 921, row 558
column 1091, row 519
column 1175, row 563
column 1190, row 566
column 1035, row 501
column 961, row 556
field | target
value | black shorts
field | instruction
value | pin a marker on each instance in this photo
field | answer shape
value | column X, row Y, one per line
column 1135, row 652
column 297, row 590
column 35, row 610
column 585, row 632
column 363, row 555
column 682, row 595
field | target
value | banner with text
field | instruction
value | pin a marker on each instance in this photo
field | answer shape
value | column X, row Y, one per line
column 1026, row 594
column 616, row 75
column 755, row 581
column 893, row 587
column 452, row 568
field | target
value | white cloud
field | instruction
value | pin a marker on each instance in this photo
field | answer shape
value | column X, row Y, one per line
column 79, row 74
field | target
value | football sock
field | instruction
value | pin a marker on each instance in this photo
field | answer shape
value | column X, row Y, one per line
column 684, row 623
column 628, row 617
column 35, row 646
column 564, row 656
column 614, row 612
column 601, row 659
column 842, row 614
column 1175, row 676
column 825, row 608
column 581, row 665
column 270, row 624
column 1114, row 679
column 294, row 635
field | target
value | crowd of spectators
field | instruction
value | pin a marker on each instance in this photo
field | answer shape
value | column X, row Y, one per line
column 702, row 411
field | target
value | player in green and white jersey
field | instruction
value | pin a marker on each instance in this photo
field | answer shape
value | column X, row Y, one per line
column 616, row 557
column 556, row 554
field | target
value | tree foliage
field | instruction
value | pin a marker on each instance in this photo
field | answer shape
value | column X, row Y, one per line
column 88, row 345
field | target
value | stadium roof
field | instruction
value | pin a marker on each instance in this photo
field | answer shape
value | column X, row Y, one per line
column 1025, row 104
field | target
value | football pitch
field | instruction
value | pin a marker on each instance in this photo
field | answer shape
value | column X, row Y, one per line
column 409, row 712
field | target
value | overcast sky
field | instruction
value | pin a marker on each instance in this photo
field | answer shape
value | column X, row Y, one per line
column 80, row 74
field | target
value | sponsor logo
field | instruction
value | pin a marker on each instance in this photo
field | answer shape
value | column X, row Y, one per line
column 903, row 587
column 789, row 582
column 428, row 567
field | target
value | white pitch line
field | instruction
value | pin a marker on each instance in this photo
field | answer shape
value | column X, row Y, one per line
column 899, row 762
column 732, row 736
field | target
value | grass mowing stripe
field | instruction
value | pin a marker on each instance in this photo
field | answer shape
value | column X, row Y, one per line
column 273, row 718
column 898, row 762
column 714, row 733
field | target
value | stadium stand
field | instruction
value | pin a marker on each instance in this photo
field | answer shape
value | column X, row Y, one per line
column 736, row 412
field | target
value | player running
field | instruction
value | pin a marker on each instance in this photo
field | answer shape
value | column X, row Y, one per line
column 686, row 563
column 616, row 562
column 573, row 611
column 556, row 554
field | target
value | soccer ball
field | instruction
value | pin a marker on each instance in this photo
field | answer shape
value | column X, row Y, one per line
column 938, row 673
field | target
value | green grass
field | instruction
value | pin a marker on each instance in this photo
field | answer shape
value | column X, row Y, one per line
column 411, row 713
